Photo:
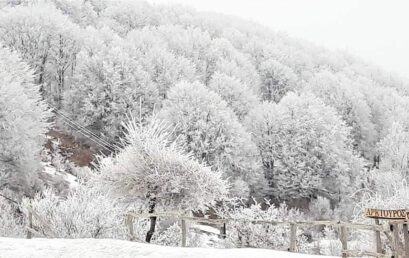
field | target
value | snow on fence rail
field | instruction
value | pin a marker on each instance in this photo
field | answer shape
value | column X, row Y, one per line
column 391, row 230
column 387, row 229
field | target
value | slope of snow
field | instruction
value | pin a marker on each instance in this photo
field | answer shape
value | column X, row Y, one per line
column 104, row 248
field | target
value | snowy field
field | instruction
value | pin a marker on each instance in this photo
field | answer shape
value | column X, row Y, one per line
column 42, row 248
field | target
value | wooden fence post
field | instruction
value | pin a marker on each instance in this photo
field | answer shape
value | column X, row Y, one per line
column 379, row 248
column 223, row 231
column 183, row 233
column 396, row 240
column 406, row 238
column 29, row 235
column 293, row 237
column 393, row 243
column 344, row 241
column 129, row 223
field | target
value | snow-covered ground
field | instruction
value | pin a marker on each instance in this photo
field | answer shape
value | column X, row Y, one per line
column 101, row 248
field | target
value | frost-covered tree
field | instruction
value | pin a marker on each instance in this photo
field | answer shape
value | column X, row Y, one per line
column 277, row 79
column 224, row 58
column 23, row 120
column 305, row 148
column 83, row 13
column 163, row 67
column 387, row 106
column 191, row 43
column 126, row 15
column 109, row 84
column 346, row 97
column 211, row 131
column 46, row 40
column 238, row 96
column 394, row 149
column 154, row 169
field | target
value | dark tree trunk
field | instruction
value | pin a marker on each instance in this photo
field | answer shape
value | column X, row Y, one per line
column 149, row 234
column 41, row 76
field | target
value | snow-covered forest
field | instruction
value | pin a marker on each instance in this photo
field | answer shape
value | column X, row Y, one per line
column 109, row 107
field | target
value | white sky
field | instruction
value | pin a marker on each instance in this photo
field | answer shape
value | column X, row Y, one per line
column 377, row 30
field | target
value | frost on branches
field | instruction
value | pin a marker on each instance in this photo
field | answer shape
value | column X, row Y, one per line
column 155, row 169
column 23, row 126
column 211, row 131
column 305, row 148
column 86, row 212
column 242, row 233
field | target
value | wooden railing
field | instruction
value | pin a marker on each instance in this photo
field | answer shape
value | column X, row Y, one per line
column 391, row 230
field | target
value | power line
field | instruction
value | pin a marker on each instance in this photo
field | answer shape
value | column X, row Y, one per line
column 88, row 134
column 85, row 129
column 90, row 137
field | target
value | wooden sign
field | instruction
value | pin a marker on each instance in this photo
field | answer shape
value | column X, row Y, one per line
column 386, row 214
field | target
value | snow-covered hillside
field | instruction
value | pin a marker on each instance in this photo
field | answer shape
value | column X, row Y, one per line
column 72, row 248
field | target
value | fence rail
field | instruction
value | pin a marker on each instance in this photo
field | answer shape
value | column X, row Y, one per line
column 391, row 230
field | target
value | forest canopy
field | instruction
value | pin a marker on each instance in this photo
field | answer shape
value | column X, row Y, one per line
column 279, row 118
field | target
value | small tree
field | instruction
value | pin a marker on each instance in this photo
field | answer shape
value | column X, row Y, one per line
column 156, row 170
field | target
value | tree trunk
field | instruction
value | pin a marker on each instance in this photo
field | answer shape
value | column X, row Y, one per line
column 149, row 234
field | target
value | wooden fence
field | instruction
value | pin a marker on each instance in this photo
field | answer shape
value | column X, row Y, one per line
column 393, row 231
column 399, row 248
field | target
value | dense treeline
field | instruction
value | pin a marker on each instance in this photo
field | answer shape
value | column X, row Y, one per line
column 279, row 118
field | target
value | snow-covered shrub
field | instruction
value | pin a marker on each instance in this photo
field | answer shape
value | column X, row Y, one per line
column 320, row 209
column 172, row 236
column 385, row 190
column 10, row 220
column 326, row 242
column 84, row 213
column 242, row 233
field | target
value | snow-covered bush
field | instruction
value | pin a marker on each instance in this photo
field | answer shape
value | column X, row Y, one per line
column 84, row 213
column 386, row 190
column 326, row 242
column 11, row 220
column 320, row 209
column 242, row 233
